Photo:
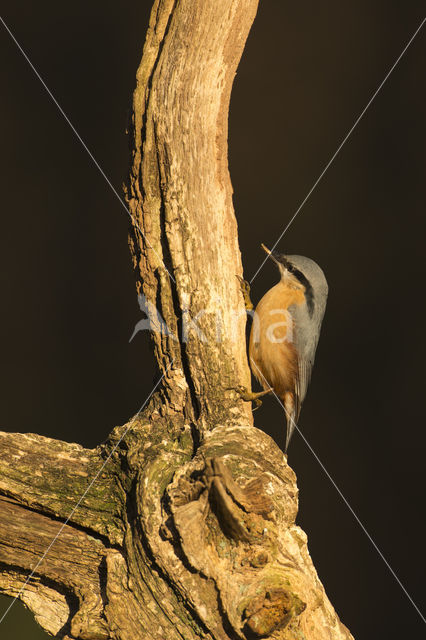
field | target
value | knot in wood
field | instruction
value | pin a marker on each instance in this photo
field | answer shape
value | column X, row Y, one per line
column 270, row 612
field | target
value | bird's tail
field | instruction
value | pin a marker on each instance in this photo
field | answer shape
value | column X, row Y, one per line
column 291, row 417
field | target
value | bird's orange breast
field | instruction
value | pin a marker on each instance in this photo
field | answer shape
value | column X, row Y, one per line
column 273, row 356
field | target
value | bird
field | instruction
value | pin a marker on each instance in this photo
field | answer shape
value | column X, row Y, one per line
column 285, row 332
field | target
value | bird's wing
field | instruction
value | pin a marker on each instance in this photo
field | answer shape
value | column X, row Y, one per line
column 305, row 339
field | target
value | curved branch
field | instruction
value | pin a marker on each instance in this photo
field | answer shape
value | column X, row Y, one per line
column 180, row 195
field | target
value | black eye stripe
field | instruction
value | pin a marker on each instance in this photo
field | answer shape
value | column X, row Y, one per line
column 309, row 292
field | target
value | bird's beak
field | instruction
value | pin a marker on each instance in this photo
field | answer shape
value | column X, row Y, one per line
column 270, row 254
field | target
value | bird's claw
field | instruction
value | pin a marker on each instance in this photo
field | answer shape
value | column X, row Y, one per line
column 250, row 396
column 245, row 290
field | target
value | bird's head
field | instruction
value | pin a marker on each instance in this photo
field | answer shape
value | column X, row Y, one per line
column 299, row 270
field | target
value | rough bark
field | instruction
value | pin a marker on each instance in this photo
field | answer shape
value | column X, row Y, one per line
column 188, row 529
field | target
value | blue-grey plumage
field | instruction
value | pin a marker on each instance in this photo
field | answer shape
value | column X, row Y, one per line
column 285, row 332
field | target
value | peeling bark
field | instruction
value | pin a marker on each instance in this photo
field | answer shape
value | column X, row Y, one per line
column 182, row 524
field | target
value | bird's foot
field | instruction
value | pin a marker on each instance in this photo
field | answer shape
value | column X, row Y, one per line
column 245, row 290
column 251, row 396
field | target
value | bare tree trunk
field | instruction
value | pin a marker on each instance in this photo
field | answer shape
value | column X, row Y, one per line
column 188, row 530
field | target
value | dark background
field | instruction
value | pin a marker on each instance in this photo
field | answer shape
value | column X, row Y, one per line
column 67, row 289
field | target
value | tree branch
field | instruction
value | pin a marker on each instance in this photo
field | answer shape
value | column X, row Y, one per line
column 50, row 476
column 180, row 195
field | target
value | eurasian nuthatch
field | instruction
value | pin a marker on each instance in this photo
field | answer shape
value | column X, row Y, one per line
column 285, row 332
